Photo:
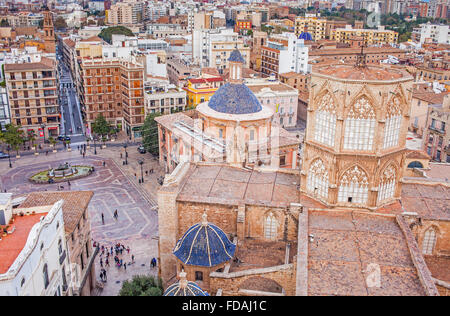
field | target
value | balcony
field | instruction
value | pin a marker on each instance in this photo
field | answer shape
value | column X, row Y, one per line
column 434, row 129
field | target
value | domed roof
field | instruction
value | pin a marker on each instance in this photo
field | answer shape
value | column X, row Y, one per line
column 236, row 56
column 184, row 288
column 234, row 99
column 305, row 36
column 204, row 244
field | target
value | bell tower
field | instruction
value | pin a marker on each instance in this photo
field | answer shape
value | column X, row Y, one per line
column 49, row 33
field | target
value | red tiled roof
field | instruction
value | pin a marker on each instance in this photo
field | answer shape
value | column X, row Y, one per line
column 205, row 80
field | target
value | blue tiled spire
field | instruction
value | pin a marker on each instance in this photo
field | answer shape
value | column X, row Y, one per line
column 236, row 56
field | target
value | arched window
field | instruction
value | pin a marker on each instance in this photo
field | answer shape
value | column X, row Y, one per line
column 317, row 183
column 360, row 126
column 393, row 123
column 415, row 164
column 429, row 240
column 45, row 275
column 386, row 188
column 270, row 227
column 353, row 186
column 325, row 124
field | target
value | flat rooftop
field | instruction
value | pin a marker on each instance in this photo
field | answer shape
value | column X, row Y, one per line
column 231, row 186
column 346, row 243
column 12, row 244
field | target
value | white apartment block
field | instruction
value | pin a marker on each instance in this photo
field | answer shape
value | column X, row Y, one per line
column 39, row 262
column 164, row 98
column 433, row 32
column 212, row 48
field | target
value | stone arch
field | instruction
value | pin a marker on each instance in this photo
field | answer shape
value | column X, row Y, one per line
column 354, row 185
column 318, row 178
column 387, row 182
column 259, row 283
column 383, row 167
column 429, row 239
column 364, row 92
column 271, row 225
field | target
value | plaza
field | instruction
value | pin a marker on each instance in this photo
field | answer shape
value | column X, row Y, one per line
column 115, row 187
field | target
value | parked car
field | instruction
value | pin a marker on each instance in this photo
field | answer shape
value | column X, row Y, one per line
column 3, row 155
column 141, row 150
column 62, row 137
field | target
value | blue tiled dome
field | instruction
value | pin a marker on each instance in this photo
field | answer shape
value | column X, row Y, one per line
column 234, row 99
column 204, row 244
column 305, row 36
column 236, row 56
column 191, row 289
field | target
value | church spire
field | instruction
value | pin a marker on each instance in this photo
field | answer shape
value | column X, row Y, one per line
column 236, row 62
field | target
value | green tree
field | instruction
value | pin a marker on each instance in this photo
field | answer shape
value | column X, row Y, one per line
column 13, row 136
column 106, row 34
column 142, row 285
column 4, row 23
column 101, row 127
column 150, row 134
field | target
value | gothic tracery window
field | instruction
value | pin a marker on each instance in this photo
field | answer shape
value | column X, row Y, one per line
column 393, row 123
column 325, row 124
column 270, row 227
column 317, row 182
column 360, row 126
column 354, row 186
column 386, row 188
column 429, row 240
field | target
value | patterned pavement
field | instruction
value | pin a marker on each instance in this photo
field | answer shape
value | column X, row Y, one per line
column 137, row 225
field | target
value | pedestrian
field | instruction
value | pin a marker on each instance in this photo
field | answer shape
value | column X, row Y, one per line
column 146, row 172
column 46, row 152
column 104, row 275
column 101, row 262
column 125, row 266
column 120, row 155
column 101, row 275
column 128, row 250
column 103, row 219
column 132, row 258
column 104, row 163
column 107, row 262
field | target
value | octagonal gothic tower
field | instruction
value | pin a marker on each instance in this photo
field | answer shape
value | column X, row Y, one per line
column 356, row 133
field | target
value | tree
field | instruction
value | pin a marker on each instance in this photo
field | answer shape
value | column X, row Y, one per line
column 150, row 134
column 142, row 285
column 13, row 136
column 4, row 23
column 101, row 127
column 60, row 23
column 106, row 34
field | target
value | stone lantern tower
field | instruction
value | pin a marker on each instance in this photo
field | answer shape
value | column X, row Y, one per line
column 355, row 139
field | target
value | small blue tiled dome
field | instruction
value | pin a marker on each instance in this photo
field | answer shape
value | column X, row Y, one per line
column 190, row 289
column 305, row 36
column 234, row 99
column 204, row 244
column 236, row 56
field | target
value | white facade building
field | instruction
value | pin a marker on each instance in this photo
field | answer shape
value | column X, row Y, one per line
column 436, row 33
column 293, row 57
column 40, row 266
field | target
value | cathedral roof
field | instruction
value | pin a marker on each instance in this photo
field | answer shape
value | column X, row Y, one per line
column 184, row 288
column 234, row 99
column 204, row 244
column 236, row 56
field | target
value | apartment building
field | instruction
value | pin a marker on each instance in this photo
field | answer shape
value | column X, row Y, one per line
column 373, row 54
column 179, row 69
column 311, row 24
column 164, row 99
column 5, row 112
column 371, row 36
column 284, row 53
column 201, row 89
column 113, row 88
column 281, row 98
column 130, row 12
column 212, row 48
column 33, row 96
column 436, row 141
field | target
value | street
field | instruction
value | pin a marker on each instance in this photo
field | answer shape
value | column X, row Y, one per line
column 72, row 124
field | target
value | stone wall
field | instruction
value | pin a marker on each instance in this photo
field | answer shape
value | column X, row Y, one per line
column 230, row 283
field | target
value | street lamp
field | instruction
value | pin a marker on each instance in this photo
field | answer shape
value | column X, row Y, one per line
column 141, row 162
column 9, row 156
column 126, row 153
